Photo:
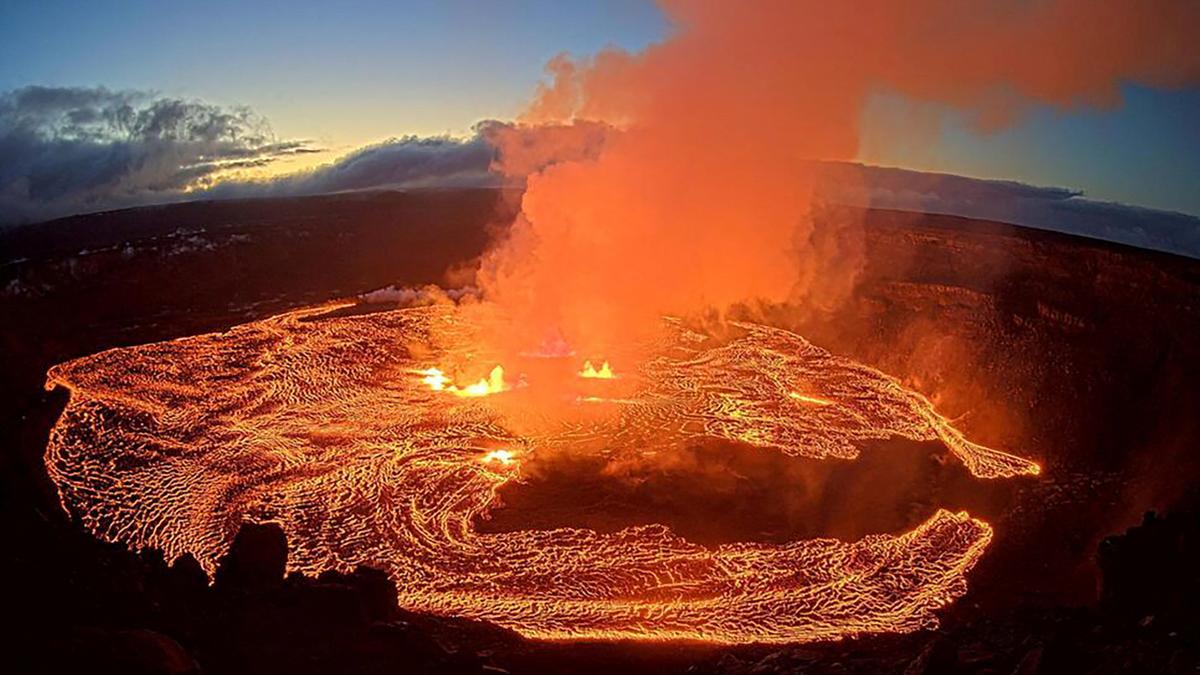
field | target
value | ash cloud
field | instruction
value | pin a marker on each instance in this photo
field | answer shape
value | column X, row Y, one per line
column 76, row 149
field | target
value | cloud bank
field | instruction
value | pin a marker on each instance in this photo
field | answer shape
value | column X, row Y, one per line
column 1046, row 208
column 406, row 162
column 77, row 149
column 70, row 150
column 414, row 162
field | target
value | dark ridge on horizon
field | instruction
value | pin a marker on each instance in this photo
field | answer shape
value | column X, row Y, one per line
column 90, row 231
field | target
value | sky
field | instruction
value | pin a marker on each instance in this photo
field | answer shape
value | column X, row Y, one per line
column 343, row 75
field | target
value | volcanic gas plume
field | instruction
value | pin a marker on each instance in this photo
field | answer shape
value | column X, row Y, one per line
column 347, row 431
column 701, row 196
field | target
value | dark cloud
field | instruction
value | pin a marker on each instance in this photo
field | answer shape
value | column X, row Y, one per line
column 404, row 162
column 498, row 153
column 75, row 149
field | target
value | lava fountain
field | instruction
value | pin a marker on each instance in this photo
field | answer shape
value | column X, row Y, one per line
column 357, row 434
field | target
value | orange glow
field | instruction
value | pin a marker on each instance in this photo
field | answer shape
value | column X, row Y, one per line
column 589, row 371
column 808, row 399
column 274, row 421
column 435, row 378
column 705, row 198
column 603, row 399
column 504, row 457
column 492, row 384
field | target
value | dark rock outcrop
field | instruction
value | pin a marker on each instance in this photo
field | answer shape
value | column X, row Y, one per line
column 256, row 560
column 1152, row 572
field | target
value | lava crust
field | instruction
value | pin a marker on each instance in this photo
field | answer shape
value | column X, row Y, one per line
column 324, row 424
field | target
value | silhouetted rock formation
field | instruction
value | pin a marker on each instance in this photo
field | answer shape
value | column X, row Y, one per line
column 264, row 622
column 133, row 651
column 374, row 590
column 1152, row 572
column 257, row 559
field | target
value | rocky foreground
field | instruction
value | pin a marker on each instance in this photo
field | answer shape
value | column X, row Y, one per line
column 85, row 606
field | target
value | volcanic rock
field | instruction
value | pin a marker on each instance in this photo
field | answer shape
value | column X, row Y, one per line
column 1152, row 572
column 125, row 651
column 256, row 560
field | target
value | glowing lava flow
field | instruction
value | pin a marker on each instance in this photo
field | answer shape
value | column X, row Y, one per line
column 590, row 372
column 813, row 400
column 333, row 428
column 492, row 384
column 503, row 457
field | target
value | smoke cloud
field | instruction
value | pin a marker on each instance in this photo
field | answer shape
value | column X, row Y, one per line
column 667, row 219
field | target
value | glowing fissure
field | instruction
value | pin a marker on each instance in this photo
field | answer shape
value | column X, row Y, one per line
column 438, row 381
column 501, row 456
column 590, row 371
column 813, row 400
column 319, row 424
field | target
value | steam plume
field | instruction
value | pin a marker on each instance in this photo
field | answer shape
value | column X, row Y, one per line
column 666, row 220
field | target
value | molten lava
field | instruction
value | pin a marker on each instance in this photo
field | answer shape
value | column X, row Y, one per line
column 503, row 457
column 811, row 400
column 492, row 384
column 317, row 423
column 589, row 371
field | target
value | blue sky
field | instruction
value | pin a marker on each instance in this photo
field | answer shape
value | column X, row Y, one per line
column 1144, row 151
column 346, row 74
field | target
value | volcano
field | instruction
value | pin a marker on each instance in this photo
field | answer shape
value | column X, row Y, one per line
column 1065, row 363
